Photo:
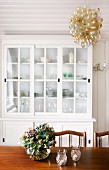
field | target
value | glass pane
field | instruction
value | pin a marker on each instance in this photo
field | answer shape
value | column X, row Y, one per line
column 68, row 55
column 24, row 63
column 25, row 89
column 12, row 55
column 12, row 105
column 51, row 105
column 81, row 72
column 24, row 96
column 51, row 55
column 68, row 105
column 39, row 105
column 68, row 71
column 51, row 96
column 12, row 89
column 38, row 96
column 81, row 97
column 24, row 71
column 12, row 63
column 81, row 55
column 51, row 71
column 68, row 97
column 39, row 89
column 39, row 55
column 24, row 105
column 25, row 55
column 81, row 106
column 38, row 71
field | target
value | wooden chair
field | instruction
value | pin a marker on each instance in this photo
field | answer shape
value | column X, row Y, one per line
column 101, row 139
column 81, row 137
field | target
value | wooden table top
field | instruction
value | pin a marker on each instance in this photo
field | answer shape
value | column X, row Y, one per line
column 15, row 158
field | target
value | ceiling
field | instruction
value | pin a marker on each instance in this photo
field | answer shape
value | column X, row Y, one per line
column 45, row 16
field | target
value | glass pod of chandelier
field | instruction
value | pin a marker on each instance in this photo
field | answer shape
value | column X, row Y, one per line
column 85, row 26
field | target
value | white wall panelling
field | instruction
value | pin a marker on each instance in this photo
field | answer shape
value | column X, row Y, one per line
column 45, row 17
column 107, row 85
column 99, row 87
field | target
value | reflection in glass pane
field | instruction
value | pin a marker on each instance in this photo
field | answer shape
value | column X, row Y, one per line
column 12, row 71
column 39, row 89
column 67, row 54
column 68, row 90
column 51, row 55
column 81, row 55
column 12, row 105
column 39, row 55
column 12, row 88
column 24, row 71
column 25, row 89
column 68, row 71
column 81, row 71
column 81, row 90
column 24, row 105
column 68, row 106
column 51, row 105
column 39, row 71
column 51, row 89
column 51, row 71
column 39, row 105
column 12, row 55
column 25, row 55
column 81, row 106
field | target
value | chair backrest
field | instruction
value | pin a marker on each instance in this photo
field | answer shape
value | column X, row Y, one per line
column 70, row 134
column 101, row 139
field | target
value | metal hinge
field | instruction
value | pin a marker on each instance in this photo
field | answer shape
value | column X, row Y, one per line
column 4, row 79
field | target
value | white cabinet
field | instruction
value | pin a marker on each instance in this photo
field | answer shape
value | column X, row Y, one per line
column 47, row 80
column 54, row 80
column 12, row 131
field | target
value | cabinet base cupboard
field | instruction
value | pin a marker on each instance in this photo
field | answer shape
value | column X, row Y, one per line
column 46, row 79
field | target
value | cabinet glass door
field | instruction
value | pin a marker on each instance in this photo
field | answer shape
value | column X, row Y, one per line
column 74, row 80
column 18, row 80
column 81, row 80
column 45, row 75
column 68, row 80
column 39, row 67
column 51, row 79
column 12, row 80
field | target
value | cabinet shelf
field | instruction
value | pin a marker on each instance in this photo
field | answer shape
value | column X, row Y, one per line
column 13, row 63
column 68, row 63
column 25, row 63
column 68, row 98
column 39, row 63
column 51, row 63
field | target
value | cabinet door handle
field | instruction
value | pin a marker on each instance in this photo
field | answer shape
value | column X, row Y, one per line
column 3, row 139
column 88, row 80
column 58, row 80
column 4, row 79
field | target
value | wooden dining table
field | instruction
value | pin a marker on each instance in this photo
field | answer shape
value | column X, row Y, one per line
column 15, row 158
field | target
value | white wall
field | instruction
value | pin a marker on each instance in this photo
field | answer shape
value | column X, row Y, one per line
column 101, row 87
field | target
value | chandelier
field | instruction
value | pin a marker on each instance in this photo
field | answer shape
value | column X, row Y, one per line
column 85, row 26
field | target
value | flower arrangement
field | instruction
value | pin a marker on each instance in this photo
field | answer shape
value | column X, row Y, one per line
column 38, row 141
